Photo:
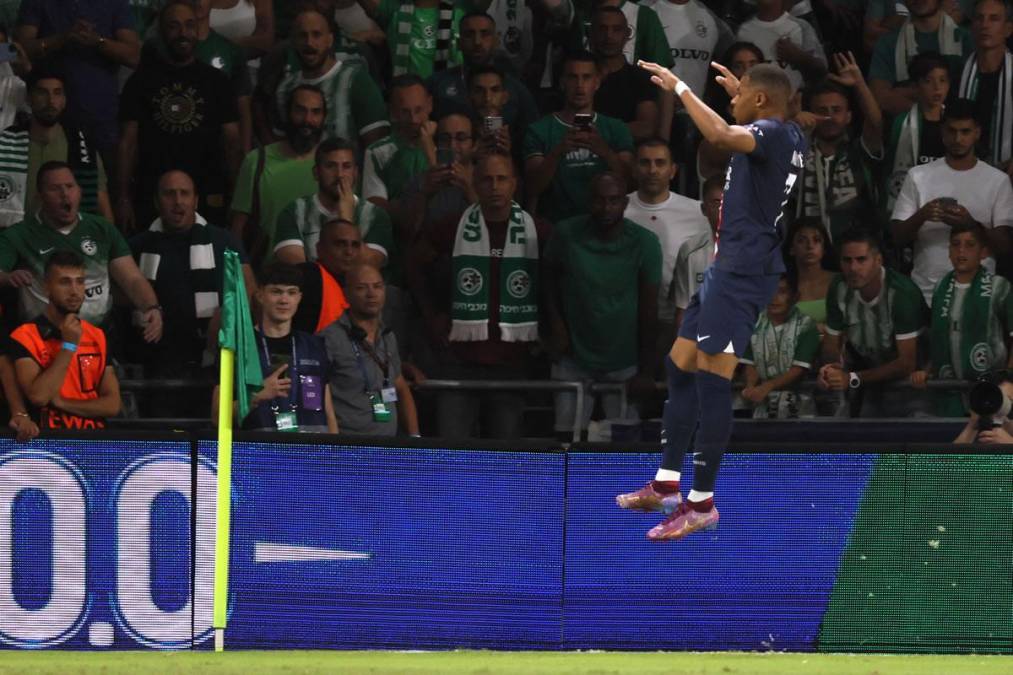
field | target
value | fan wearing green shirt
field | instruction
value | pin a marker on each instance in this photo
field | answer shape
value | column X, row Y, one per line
column 565, row 150
column 271, row 176
column 392, row 162
column 874, row 318
column 300, row 223
column 59, row 225
column 421, row 34
column 355, row 108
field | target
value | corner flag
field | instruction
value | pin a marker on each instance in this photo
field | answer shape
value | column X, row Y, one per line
column 237, row 345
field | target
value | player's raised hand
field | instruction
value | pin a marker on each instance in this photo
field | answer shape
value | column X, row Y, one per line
column 660, row 75
column 848, row 74
column 726, row 79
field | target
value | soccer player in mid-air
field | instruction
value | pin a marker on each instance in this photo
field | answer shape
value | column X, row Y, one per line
column 767, row 152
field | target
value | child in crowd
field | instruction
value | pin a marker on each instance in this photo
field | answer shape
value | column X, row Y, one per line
column 782, row 350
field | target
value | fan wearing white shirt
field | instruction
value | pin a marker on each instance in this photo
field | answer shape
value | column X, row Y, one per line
column 958, row 189
column 672, row 217
column 787, row 41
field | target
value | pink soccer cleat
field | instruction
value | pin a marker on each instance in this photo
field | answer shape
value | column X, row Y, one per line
column 683, row 522
column 649, row 499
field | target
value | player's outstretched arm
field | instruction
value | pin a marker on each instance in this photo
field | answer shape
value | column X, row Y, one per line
column 713, row 127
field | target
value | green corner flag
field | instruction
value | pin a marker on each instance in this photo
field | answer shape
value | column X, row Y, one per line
column 238, row 346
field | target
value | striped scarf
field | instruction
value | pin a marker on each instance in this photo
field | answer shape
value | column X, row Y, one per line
column 1001, row 130
column 14, row 151
column 202, row 265
column 402, row 48
column 518, row 279
column 907, row 135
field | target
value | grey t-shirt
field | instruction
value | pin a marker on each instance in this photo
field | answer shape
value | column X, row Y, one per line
column 354, row 373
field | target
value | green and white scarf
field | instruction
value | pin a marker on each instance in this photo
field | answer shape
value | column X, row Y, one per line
column 202, row 265
column 907, row 135
column 976, row 352
column 907, row 47
column 403, row 46
column 1001, row 129
column 14, row 153
column 518, row 279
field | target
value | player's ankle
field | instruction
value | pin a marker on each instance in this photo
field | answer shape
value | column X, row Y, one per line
column 665, row 487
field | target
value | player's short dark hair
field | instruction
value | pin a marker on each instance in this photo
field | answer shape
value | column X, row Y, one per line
column 654, row 142
column 314, row 7
column 337, row 222
column 713, row 182
column 923, row 64
column 736, row 47
column 169, row 4
column 824, row 87
column 790, row 277
column 312, row 88
column 976, row 230
column 477, row 15
column 63, row 258
column 860, row 235
column 961, row 110
column 485, row 69
column 405, row 81
column 280, row 274
column 1005, row 4
column 772, row 80
column 599, row 177
column 607, row 9
column 494, row 153
column 330, row 145
column 48, row 168
column 578, row 56
column 37, row 75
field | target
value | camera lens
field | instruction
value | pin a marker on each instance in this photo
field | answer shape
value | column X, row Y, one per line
column 985, row 398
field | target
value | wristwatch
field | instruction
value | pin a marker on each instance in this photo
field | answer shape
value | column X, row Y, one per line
column 854, row 381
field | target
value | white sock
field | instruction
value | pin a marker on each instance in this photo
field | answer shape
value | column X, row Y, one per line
column 668, row 475
column 696, row 496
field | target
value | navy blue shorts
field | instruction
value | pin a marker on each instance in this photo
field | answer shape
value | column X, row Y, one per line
column 722, row 313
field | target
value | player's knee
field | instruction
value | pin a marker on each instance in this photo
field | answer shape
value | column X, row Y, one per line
column 684, row 355
column 722, row 365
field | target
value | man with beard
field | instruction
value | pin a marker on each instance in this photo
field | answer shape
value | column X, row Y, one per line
column 928, row 29
column 626, row 92
column 183, row 114
column 955, row 190
column 601, row 295
column 24, row 148
column 181, row 255
column 60, row 359
column 355, row 108
column 837, row 181
column 272, row 176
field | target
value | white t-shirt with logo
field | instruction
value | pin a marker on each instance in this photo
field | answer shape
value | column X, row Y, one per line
column 674, row 220
column 765, row 34
column 695, row 36
column 984, row 191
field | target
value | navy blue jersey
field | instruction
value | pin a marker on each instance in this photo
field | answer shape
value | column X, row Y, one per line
column 757, row 187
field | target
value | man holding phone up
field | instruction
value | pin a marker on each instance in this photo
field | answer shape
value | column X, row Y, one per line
column 565, row 150
column 955, row 190
column 295, row 396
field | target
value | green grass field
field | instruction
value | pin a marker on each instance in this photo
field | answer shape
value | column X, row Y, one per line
column 490, row 663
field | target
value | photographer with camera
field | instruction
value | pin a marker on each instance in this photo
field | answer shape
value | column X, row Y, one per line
column 990, row 402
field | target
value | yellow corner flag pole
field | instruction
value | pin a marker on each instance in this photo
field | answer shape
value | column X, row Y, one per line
column 224, row 496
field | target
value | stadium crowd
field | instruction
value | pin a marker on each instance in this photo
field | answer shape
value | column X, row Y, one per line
column 487, row 190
